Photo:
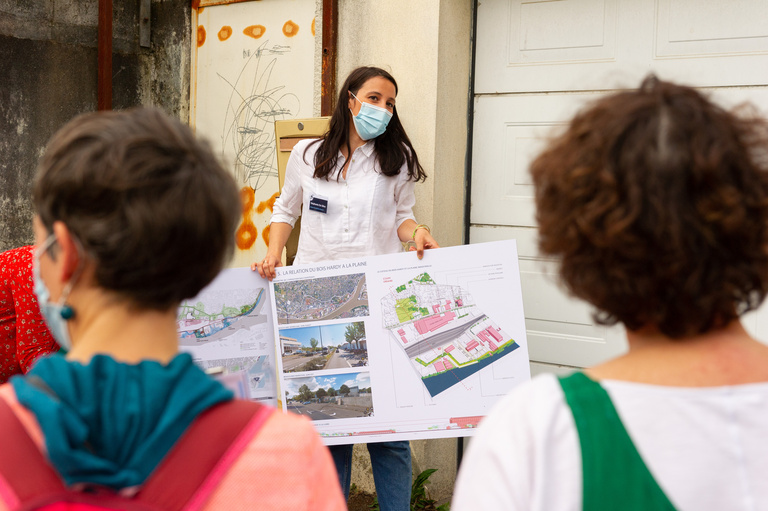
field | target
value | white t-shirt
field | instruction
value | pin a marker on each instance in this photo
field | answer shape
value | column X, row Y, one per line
column 706, row 447
column 362, row 212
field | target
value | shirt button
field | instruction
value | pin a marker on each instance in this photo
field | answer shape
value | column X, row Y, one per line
column 353, row 160
column 346, row 230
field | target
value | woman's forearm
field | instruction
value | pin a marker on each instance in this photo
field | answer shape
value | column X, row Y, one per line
column 405, row 231
column 278, row 237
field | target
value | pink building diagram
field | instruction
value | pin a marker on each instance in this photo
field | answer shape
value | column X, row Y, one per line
column 433, row 323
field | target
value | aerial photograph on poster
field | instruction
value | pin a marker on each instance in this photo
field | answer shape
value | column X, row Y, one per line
column 321, row 299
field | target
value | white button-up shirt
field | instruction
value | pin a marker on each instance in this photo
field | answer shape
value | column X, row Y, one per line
column 363, row 211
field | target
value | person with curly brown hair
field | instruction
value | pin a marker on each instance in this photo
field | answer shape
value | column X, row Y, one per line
column 655, row 202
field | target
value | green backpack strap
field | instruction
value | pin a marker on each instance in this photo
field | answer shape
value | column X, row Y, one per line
column 615, row 476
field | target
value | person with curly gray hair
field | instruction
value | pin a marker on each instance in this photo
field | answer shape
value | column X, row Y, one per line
column 655, row 203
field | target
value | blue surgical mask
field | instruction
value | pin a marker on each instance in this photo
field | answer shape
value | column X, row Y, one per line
column 56, row 315
column 371, row 121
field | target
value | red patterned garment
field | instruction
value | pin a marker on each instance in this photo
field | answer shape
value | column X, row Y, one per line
column 23, row 334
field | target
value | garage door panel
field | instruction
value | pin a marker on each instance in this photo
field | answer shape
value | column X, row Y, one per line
column 574, row 350
column 564, row 45
column 693, row 27
column 514, row 130
column 509, row 132
column 537, row 31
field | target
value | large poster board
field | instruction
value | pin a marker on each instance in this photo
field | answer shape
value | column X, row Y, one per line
column 371, row 349
column 253, row 62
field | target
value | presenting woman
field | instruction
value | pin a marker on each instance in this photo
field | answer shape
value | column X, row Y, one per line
column 655, row 202
column 356, row 187
column 133, row 215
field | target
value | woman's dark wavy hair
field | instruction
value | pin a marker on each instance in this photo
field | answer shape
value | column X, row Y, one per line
column 393, row 147
column 656, row 202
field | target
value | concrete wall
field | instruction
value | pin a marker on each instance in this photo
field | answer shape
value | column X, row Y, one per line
column 428, row 51
column 48, row 50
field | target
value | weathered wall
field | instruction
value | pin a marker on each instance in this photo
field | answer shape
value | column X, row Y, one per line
column 48, row 74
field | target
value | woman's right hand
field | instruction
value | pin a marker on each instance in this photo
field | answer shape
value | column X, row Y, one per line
column 266, row 267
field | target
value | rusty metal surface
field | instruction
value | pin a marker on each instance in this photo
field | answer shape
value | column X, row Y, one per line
column 328, row 82
column 104, row 97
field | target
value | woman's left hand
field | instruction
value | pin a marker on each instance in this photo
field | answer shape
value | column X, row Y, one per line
column 424, row 240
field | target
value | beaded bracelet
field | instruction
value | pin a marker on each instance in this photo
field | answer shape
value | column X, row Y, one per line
column 420, row 226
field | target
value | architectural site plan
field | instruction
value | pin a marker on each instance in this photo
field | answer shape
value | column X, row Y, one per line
column 228, row 329
column 442, row 331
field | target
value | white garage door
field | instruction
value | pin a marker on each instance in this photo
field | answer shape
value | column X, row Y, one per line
column 537, row 62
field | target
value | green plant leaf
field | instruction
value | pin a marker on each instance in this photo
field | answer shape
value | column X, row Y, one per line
column 419, row 498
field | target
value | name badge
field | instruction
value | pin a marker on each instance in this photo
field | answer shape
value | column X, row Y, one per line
column 319, row 204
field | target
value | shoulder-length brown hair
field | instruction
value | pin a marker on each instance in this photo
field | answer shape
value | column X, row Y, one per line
column 656, row 202
column 393, row 147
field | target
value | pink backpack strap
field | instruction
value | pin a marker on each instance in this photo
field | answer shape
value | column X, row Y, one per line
column 24, row 472
column 184, row 479
column 193, row 469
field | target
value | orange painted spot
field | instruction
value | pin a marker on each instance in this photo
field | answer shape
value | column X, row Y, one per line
column 255, row 31
column 265, row 235
column 290, row 29
column 247, row 197
column 269, row 203
column 246, row 235
column 200, row 35
column 313, row 27
column 199, row 9
column 225, row 32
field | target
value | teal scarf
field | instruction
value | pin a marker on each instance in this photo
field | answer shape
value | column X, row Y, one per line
column 109, row 423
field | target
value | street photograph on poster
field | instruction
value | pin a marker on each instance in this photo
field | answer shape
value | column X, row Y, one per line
column 321, row 299
column 325, row 346
column 330, row 396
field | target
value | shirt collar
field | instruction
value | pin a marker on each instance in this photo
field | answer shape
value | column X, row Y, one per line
column 366, row 148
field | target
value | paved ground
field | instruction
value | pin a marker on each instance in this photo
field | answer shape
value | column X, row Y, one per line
column 293, row 362
column 343, row 359
column 325, row 411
